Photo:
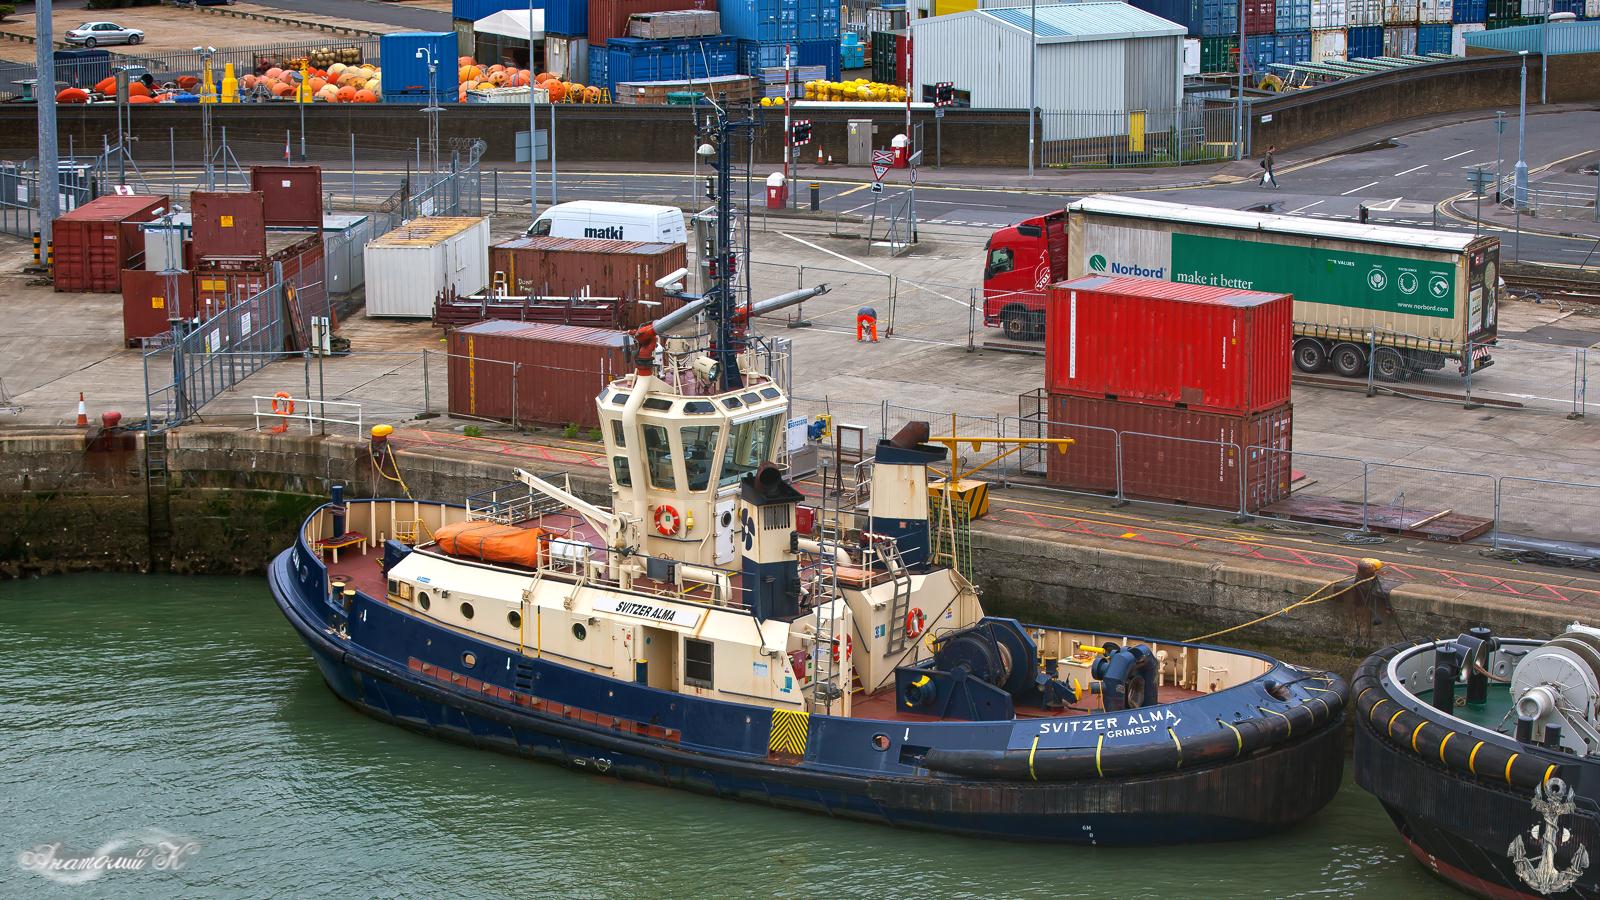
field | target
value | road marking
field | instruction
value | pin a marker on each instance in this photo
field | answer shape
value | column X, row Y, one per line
column 1388, row 205
column 1307, row 206
column 853, row 190
column 1409, row 171
column 1448, row 158
column 831, row 253
column 1353, row 190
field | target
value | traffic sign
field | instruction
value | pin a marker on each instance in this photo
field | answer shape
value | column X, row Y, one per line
column 882, row 161
column 877, row 187
column 913, row 176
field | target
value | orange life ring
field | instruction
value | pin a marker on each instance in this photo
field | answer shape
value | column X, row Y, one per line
column 848, row 646
column 667, row 520
column 283, row 404
column 916, row 623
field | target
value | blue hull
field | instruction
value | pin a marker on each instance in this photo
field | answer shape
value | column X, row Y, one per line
column 1254, row 795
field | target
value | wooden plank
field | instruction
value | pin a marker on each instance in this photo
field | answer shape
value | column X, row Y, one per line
column 1446, row 526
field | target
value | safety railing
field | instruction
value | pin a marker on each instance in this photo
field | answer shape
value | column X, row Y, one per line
column 1118, row 140
column 277, row 411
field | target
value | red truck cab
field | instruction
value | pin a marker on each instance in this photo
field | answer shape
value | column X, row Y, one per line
column 1019, row 263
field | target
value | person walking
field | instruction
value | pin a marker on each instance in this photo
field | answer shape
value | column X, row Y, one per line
column 867, row 323
column 1267, row 165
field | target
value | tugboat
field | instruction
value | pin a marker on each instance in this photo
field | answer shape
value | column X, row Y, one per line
column 1485, row 751
column 712, row 630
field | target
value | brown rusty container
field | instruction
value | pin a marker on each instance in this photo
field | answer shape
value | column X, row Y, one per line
column 96, row 241
column 216, row 291
column 1172, row 455
column 229, row 225
column 222, row 282
column 291, row 195
column 150, row 300
column 559, row 369
column 567, row 267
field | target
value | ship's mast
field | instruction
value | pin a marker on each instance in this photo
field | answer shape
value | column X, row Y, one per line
column 726, row 331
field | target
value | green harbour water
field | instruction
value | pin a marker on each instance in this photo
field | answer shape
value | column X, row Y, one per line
column 183, row 713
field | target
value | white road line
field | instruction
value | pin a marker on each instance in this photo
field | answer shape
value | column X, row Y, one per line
column 1448, row 158
column 1409, row 171
column 831, row 253
column 1307, row 206
column 1353, row 190
column 1388, row 205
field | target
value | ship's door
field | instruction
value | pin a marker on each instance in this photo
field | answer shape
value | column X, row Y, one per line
column 655, row 650
column 724, row 530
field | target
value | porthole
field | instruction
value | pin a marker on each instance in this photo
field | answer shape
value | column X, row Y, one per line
column 578, row 631
column 514, row 619
column 880, row 742
column 466, row 610
column 422, row 599
column 727, row 518
column 469, row 659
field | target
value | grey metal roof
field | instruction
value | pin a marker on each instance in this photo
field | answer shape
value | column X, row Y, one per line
column 1062, row 22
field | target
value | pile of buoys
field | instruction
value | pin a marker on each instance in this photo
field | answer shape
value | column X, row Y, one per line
column 568, row 91
column 339, row 83
column 471, row 76
column 772, row 101
column 858, row 91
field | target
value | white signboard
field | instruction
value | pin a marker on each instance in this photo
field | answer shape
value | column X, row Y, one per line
column 655, row 612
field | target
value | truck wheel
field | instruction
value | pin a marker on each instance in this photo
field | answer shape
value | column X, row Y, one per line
column 1014, row 323
column 1349, row 360
column 1388, row 364
column 1036, row 326
column 1310, row 356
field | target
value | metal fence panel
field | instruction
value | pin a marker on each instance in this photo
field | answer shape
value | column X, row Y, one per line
column 1123, row 139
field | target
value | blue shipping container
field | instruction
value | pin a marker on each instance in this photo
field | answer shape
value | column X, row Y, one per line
column 1295, row 46
column 404, row 73
column 755, row 56
column 1364, row 42
column 1219, row 18
column 1293, row 15
column 598, row 60
column 1260, row 52
column 568, row 17
column 779, row 21
column 1572, row 6
column 1188, row 13
column 1434, row 38
column 473, row 10
column 678, row 59
column 1468, row 12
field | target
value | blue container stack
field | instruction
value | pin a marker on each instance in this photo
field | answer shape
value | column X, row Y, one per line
column 1433, row 39
column 1468, row 12
column 599, row 68
column 1188, row 13
column 1295, row 46
column 809, row 27
column 1219, row 18
column 679, row 59
column 473, row 10
column 1572, row 6
column 1364, row 42
column 1293, row 15
column 405, row 77
column 1260, row 52
column 563, row 17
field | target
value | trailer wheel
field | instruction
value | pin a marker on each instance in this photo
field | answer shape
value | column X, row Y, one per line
column 1389, row 365
column 1016, row 324
column 1349, row 360
column 1036, row 326
column 1310, row 355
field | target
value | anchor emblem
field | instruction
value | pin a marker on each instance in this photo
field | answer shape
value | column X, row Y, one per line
column 1551, row 801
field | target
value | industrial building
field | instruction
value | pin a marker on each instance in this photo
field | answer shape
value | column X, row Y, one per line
column 1103, row 61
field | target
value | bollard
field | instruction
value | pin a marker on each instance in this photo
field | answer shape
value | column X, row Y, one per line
column 816, row 196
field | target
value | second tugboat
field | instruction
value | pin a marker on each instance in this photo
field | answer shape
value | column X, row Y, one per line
column 709, row 631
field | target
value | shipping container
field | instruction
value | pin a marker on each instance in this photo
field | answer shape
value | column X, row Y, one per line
column 1500, row 12
column 599, row 68
column 562, row 18
column 571, row 267
column 568, row 58
column 1260, row 52
column 1423, row 294
column 768, row 21
column 1364, row 13
column 609, row 18
column 222, row 282
column 886, row 18
column 408, row 267
column 1469, row 12
column 1292, row 47
column 1364, row 42
column 1399, row 40
column 96, row 241
column 1458, row 37
column 1435, row 12
column 636, row 60
column 1433, row 39
column 1191, row 56
column 1167, row 343
column 1293, row 15
column 883, row 57
column 1533, row 8
column 403, row 73
column 473, row 10
column 150, row 300
column 754, row 56
column 1188, row 13
column 558, row 371
column 1328, row 44
column 291, row 196
column 1327, row 14
column 216, row 291
column 1400, row 12
column 1576, row 7
column 678, row 23
column 229, row 224
column 1172, row 455
column 1219, row 54
column 1219, row 18
column 1260, row 16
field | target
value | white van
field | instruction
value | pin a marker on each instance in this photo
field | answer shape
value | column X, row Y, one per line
column 611, row 221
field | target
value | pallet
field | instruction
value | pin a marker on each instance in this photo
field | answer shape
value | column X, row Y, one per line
column 731, row 88
column 1446, row 526
column 459, row 311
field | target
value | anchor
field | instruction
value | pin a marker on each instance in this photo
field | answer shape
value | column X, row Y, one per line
column 1551, row 800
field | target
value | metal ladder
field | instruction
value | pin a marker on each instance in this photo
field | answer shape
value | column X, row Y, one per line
column 893, row 563
column 158, row 500
column 952, row 532
column 824, row 591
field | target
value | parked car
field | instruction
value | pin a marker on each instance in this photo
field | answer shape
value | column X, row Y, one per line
column 93, row 34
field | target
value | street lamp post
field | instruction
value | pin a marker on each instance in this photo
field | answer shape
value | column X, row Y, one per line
column 1520, row 196
column 1033, row 68
column 48, row 197
column 433, row 109
column 1499, row 154
column 533, row 131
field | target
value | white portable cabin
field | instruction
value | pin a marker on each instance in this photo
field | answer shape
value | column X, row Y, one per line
column 408, row 267
column 604, row 220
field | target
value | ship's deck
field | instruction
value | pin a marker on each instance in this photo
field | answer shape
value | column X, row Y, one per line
column 883, row 705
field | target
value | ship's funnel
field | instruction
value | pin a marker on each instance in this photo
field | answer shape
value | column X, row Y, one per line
column 900, row 490
column 771, row 572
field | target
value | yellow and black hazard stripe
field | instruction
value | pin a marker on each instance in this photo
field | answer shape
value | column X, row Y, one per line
column 789, row 731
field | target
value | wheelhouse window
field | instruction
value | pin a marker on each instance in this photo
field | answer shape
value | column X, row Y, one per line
column 620, row 465
column 658, row 457
column 749, row 443
column 619, row 435
column 699, row 454
column 697, row 659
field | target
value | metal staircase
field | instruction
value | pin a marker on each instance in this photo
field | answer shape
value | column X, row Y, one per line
column 895, row 565
column 831, row 652
column 951, row 532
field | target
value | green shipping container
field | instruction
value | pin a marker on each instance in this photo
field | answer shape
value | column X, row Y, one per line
column 1219, row 54
column 883, row 56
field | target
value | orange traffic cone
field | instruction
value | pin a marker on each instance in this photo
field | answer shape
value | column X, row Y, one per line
column 819, row 154
column 83, row 412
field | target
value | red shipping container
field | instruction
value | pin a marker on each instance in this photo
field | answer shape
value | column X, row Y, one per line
column 229, row 224
column 1260, row 16
column 150, row 300
column 609, row 18
column 291, row 195
column 567, row 267
column 216, row 291
column 1134, row 339
column 1172, row 455
column 902, row 58
column 562, row 368
column 96, row 241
